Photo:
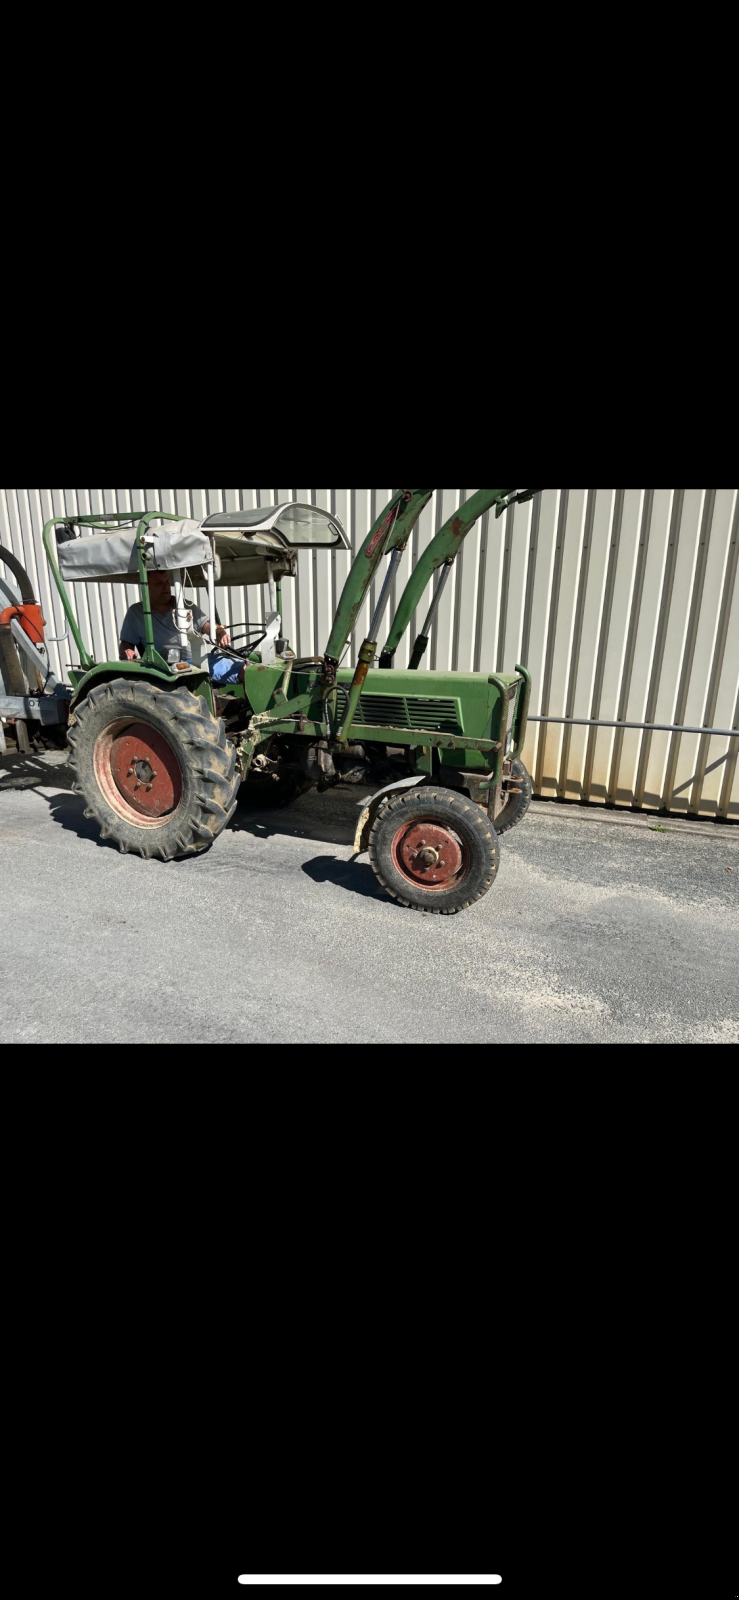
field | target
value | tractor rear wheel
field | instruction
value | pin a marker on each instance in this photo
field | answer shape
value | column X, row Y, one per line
column 154, row 767
column 434, row 850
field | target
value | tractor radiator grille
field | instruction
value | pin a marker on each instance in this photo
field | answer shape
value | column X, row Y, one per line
column 395, row 711
column 382, row 711
column 439, row 716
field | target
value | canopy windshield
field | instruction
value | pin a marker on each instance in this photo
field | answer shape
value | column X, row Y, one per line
column 302, row 527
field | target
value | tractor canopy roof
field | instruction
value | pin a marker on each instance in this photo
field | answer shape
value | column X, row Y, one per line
column 301, row 526
column 250, row 546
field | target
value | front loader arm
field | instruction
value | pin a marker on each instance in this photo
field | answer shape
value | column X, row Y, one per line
column 444, row 548
column 390, row 531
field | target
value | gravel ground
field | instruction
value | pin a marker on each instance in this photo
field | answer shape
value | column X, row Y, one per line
column 598, row 929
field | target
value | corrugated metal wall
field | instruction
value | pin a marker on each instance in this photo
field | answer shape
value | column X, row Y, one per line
column 623, row 603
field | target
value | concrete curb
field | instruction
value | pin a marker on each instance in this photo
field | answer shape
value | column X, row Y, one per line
column 553, row 810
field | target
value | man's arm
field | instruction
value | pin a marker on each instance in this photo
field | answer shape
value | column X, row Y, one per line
column 131, row 636
column 222, row 634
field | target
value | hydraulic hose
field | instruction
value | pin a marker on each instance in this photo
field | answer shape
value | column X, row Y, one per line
column 24, row 583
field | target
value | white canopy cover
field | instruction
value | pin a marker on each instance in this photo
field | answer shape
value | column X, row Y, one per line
column 250, row 546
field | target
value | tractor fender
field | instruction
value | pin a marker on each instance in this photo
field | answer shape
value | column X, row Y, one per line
column 366, row 821
column 109, row 671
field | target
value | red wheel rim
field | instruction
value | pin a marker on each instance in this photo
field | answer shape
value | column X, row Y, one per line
column 430, row 855
column 138, row 773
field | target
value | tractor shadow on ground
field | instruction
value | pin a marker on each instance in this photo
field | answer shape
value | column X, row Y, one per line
column 69, row 811
column 42, row 769
column 356, row 876
column 329, row 818
column 43, row 772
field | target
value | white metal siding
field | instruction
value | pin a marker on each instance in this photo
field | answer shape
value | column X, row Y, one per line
column 623, row 603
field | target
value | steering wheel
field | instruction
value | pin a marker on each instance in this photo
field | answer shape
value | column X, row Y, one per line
column 243, row 654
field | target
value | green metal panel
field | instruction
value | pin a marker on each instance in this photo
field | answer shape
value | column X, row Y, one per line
column 396, row 736
column 196, row 680
column 260, row 684
column 463, row 715
column 471, row 691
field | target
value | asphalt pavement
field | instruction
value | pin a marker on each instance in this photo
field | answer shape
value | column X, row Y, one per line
column 599, row 929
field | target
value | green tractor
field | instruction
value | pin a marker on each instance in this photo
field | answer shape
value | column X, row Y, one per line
column 162, row 754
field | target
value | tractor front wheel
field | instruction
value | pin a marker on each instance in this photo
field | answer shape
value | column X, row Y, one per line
column 516, row 805
column 154, row 767
column 434, row 850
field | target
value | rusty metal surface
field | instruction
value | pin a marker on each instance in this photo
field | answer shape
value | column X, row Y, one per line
column 361, row 673
column 146, row 771
column 385, row 525
column 429, row 854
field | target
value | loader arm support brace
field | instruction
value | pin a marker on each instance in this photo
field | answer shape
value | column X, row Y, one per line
column 391, row 531
column 444, row 547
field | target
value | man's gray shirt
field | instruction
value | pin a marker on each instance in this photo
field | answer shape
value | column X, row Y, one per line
column 166, row 636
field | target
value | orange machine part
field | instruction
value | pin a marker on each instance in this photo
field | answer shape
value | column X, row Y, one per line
column 30, row 619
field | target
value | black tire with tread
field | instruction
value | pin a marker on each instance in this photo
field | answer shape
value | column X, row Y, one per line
column 455, row 811
column 516, row 807
column 207, row 762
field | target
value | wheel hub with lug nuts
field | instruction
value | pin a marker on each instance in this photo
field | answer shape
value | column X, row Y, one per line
column 428, row 854
column 145, row 770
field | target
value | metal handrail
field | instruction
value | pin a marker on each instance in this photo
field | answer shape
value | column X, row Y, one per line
column 641, row 727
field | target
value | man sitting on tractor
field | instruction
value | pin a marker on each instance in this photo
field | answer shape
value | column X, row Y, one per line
column 166, row 637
